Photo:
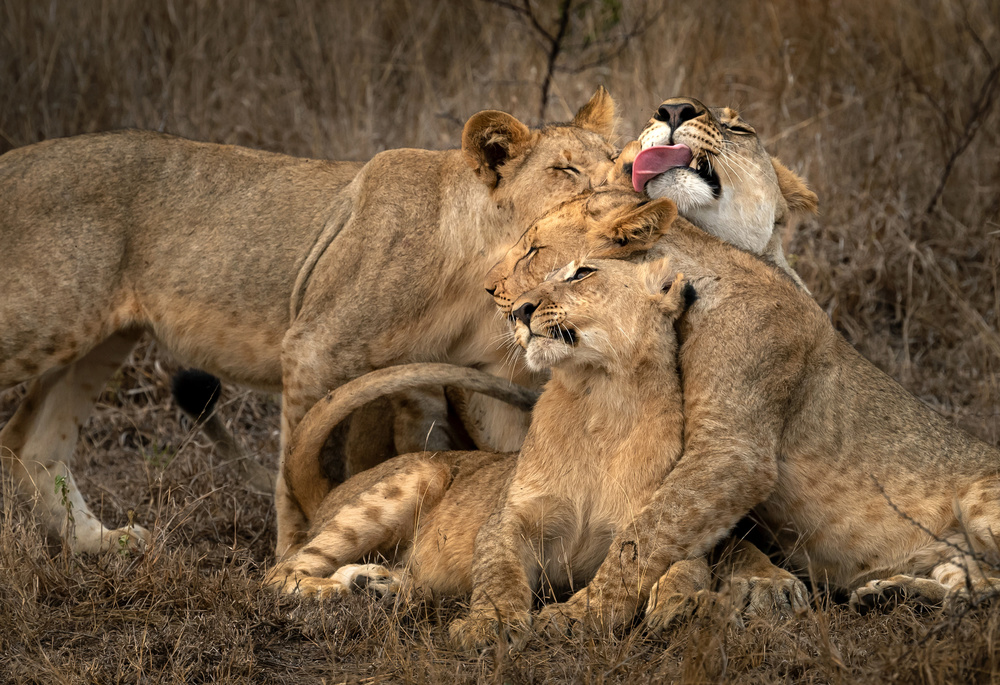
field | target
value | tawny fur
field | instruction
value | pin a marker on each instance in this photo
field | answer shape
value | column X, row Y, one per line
column 757, row 192
column 857, row 478
column 759, row 195
column 589, row 462
column 270, row 271
column 601, row 440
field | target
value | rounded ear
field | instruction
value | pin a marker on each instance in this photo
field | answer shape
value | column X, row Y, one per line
column 798, row 197
column 598, row 115
column 621, row 173
column 642, row 226
column 491, row 138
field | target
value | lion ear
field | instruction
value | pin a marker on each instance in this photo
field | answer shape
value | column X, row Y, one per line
column 598, row 115
column 798, row 197
column 491, row 138
column 621, row 173
column 642, row 226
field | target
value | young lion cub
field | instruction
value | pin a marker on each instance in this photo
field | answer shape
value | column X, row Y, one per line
column 605, row 432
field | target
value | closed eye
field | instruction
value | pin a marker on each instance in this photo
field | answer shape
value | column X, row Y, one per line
column 569, row 170
column 528, row 256
column 741, row 129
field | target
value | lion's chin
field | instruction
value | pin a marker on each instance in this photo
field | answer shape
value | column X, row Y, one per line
column 543, row 353
column 684, row 186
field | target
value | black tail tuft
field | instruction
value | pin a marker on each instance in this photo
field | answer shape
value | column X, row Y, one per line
column 196, row 392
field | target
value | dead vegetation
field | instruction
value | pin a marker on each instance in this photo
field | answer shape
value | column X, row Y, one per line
column 889, row 109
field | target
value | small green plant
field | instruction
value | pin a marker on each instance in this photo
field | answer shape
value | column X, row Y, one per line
column 62, row 489
column 124, row 548
column 157, row 455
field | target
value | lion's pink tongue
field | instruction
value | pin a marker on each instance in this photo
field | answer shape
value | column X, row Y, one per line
column 654, row 160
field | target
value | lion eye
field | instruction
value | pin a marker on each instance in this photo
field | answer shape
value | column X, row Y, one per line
column 741, row 129
column 581, row 273
column 568, row 170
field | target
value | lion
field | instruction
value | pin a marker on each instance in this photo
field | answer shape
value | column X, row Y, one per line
column 862, row 485
column 716, row 189
column 274, row 272
column 590, row 460
column 716, row 172
column 584, row 472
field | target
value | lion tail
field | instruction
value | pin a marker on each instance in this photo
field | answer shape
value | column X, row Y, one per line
column 303, row 472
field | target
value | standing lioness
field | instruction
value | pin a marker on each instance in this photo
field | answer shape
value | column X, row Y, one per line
column 279, row 273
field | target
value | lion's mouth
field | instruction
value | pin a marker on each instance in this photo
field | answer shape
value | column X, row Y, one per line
column 562, row 333
column 658, row 159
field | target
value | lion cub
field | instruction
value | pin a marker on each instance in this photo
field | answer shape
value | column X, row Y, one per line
column 605, row 432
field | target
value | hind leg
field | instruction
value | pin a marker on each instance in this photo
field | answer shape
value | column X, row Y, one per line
column 377, row 510
column 38, row 442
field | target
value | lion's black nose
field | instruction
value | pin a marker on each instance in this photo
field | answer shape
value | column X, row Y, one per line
column 491, row 291
column 676, row 112
column 524, row 312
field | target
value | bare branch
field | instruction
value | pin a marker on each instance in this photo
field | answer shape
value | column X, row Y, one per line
column 980, row 110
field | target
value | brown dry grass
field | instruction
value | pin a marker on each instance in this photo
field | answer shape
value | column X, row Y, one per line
column 882, row 105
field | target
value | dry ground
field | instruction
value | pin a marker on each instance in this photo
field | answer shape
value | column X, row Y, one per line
column 888, row 108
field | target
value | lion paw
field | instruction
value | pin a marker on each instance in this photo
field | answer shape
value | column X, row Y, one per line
column 369, row 577
column 663, row 614
column 479, row 631
column 126, row 541
column 771, row 597
column 885, row 595
column 558, row 619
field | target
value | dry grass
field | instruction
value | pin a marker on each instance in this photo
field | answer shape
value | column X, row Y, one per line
column 884, row 106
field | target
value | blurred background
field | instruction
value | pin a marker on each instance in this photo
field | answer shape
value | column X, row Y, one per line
column 888, row 108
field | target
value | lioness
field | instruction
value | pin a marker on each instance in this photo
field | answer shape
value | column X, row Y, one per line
column 605, row 431
column 711, row 164
column 715, row 187
column 274, row 272
column 859, row 481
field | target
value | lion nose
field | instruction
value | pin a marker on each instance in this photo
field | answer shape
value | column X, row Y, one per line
column 676, row 113
column 524, row 312
column 491, row 291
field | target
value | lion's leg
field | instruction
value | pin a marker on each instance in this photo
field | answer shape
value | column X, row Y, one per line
column 378, row 509
column 679, row 593
column 421, row 421
column 369, row 439
column 494, row 425
column 505, row 571
column 301, row 389
column 885, row 594
column 38, row 442
column 759, row 588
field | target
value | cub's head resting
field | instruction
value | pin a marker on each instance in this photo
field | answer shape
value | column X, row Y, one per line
column 711, row 163
column 602, row 314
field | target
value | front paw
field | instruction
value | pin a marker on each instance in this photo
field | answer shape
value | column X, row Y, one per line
column 885, row 595
column 480, row 630
column 779, row 596
column 667, row 611
column 559, row 618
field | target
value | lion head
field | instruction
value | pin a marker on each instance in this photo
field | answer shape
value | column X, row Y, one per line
column 528, row 171
column 599, row 313
column 609, row 222
column 711, row 163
